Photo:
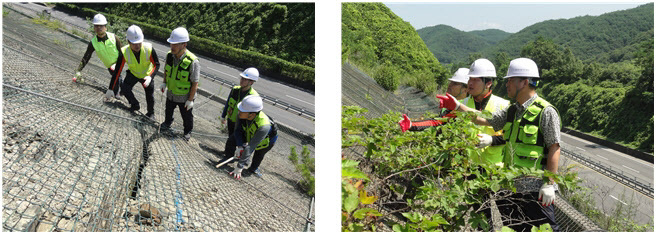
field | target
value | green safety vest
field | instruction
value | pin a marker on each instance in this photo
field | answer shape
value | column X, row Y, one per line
column 234, row 99
column 177, row 77
column 144, row 67
column 260, row 120
column 106, row 51
column 524, row 137
column 490, row 154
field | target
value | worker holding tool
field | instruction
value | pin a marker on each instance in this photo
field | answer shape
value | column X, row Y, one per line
column 107, row 47
column 532, row 133
column 142, row 65
column 229, row 114
column 457, row 87
column 255, row 134
column 182, row 74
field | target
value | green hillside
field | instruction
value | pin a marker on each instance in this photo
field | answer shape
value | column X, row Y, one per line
column 611, row 37
column 491, row 36
column 449, row 44
column 387, row 48
column 282, row 30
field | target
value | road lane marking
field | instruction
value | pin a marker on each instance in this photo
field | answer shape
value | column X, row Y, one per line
column 220, row 71
column 619, row 200
column 602, row 157
column 609, row 150
column 579, row 148
column 631, row 169
column 300, row 100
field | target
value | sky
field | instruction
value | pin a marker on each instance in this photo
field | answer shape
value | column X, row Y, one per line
column 509, row 17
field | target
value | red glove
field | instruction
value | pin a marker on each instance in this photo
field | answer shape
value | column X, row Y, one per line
column 450, row 115
column 449, row 102
column 405, row 123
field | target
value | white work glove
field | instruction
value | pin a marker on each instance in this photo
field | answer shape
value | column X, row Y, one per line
column 108, row 95
column 237, row 172
column 238, row 152
column 547, row 195
column 113, row 67
column 189, row 104
column 163, row 88
column 77, row 75
column 147, row 82
column 484, row 140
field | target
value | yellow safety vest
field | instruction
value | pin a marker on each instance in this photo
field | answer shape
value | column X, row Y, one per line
column 144, row 67
column 490, row 154
column 177, row 77
column 106, row 51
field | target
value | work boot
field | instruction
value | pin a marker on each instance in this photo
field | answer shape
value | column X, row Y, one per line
column 187, row 136
column 151, row 116
column 257, row 172
column 165, row 126
column 134, row 108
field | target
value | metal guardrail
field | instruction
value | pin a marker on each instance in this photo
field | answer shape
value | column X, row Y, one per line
column 633, row 183
column 271, row 100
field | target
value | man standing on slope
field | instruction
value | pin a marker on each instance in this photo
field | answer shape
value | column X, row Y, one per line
column 142, row 65
column 182, row 73
column 107, row 47
column 230, row 111
column 532, row 133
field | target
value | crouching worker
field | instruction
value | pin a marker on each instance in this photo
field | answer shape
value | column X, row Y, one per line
column 255, row 134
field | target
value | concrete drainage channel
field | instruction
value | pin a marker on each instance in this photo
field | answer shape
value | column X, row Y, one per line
column 74, row 163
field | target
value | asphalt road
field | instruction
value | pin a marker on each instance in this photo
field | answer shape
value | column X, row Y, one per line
column 266, row 86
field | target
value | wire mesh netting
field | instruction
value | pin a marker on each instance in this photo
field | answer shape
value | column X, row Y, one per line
column 72, row 162
column 361, row 90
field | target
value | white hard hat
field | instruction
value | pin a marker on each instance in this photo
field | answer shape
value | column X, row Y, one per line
column 134, row 34
column 179, row 35
column 250, row 103
column 460, row 76
column 482, row 68
column 251, row 74
column 522, row 67
column 99, row 19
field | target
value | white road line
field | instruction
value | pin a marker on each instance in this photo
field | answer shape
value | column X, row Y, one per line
column 220, row 71
column 579, row 148
column 631, row 169
column 300, row 100
column 602, row 157
column 619, row 200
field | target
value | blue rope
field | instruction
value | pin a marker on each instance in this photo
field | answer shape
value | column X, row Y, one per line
column 178, row 196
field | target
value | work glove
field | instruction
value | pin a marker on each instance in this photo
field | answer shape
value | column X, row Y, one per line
column 147, row 81
column 223, row 120
column 112, row 68
column 239, row 152
column 237, row 172
column 109, row 94
column 405, row 123
column 163, row 88
column 484, row 140
column 547, row 195
column 449, row 102
column 189, row 104
column 76, row 76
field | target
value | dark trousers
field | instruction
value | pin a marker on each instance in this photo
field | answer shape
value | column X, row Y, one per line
column 231, row 144
column 187, row 116
column 126, row 89
column 258, row 156
column 114, row 85
column 525, row 211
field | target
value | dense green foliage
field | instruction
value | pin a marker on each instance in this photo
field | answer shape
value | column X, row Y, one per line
column 287, row 71
column 429, row 177
column 451, row 45
column 611, row 37
column 283, row 30
column 374, row 38
column 305, row 167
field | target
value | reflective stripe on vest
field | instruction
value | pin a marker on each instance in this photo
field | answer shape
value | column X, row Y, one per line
column 234, row 99
column 177, row 77
column 524, row 137
column 106, row 51
column 491, row 154
column 144, row 67
column 260, row 120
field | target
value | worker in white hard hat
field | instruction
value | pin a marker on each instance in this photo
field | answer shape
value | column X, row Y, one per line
column 457, row 88
column 182, row 74
column 229, row 114
column 142, row 64
column 532, row 133
column 481, row 76
column 107, row 47
column 255, row 134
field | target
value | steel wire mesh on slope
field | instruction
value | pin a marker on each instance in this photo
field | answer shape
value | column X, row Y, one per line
column 72, row 162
